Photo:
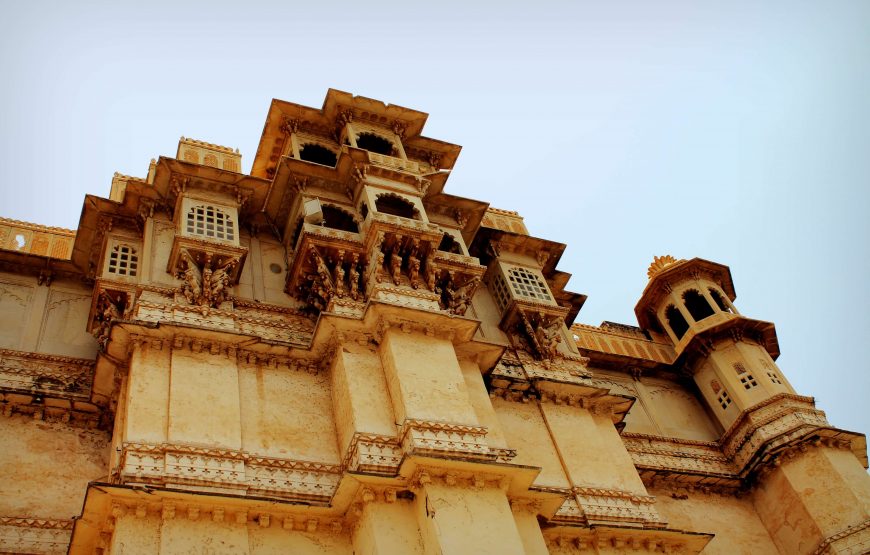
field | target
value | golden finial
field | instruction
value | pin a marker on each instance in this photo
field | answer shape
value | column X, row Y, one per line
column 659, row 263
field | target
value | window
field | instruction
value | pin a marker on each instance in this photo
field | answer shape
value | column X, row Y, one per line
column 374, row 143
column 526, row 283
column 336, row 218
column 449, row 244
column 748, row 381
column 774, row 378
column 676, row 321
column 209, row 221
column 313, row 152
column 724, row 399
column 396, row 206
column 697, row 305
column 721, row 393
column 717, row 298
column 123, row 260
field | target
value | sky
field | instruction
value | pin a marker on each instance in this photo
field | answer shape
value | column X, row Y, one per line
column 736, row 131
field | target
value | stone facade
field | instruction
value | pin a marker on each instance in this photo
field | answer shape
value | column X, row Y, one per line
column 332, row 355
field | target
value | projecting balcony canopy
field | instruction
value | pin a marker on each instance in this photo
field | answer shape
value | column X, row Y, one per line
column 339, row 108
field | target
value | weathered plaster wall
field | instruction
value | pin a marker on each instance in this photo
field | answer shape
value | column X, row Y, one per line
column 46, row 319
column 361, row 400
column 738, row 529
column 204, row 405
column 459, row 520
column 591, row 449
column 64, row 458
column 424, row 378
column 385, row 528
column 526, row 431
column 286, row 412
column 180, row 535
column 482, row 404
column 809, row 496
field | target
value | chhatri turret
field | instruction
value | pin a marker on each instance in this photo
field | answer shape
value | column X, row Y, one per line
column 730, row 356
column 774, row 437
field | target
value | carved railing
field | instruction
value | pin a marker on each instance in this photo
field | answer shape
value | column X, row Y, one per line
column 394, row 163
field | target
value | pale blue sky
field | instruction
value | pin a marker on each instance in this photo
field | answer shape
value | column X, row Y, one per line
column 738, row 132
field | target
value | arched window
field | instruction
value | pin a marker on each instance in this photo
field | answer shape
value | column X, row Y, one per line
column 697, row 305
column 336, row 218
column 123, row 260
column 717, row 298
column 676, row 321
column 313, row 152
column 374, row 143
column 209, row 221
column 449, row 244
column 396, row 206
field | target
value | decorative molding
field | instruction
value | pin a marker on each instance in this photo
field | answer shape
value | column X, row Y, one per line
column 615, row 506
column 53, row 375
column 427, row 437
column 34, row 535
column 286, row 326
column 373, row 454
column 856, row 537
column 228, row 470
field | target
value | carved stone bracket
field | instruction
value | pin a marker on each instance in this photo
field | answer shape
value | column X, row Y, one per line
column 206, row 277
column 112, row 301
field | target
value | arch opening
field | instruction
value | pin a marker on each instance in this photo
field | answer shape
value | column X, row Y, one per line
column 374, row 143
column 720, row 302
column 697, row 305
column 676, row 321
column 396, row 206
column 313, row 152
column 336, row 218
column 449, row 244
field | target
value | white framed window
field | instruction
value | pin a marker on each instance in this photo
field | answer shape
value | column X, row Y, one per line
column 508, row 283
column 123, row 260
column 209, row 221
column 528, row 284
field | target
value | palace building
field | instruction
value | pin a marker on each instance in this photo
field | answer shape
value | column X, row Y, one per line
column 334, row 355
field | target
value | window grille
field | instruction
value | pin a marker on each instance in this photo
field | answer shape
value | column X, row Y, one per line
column 748, row 381
column 526, row 283
column 501, row 293
column 123, row 260
column 211, row 222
